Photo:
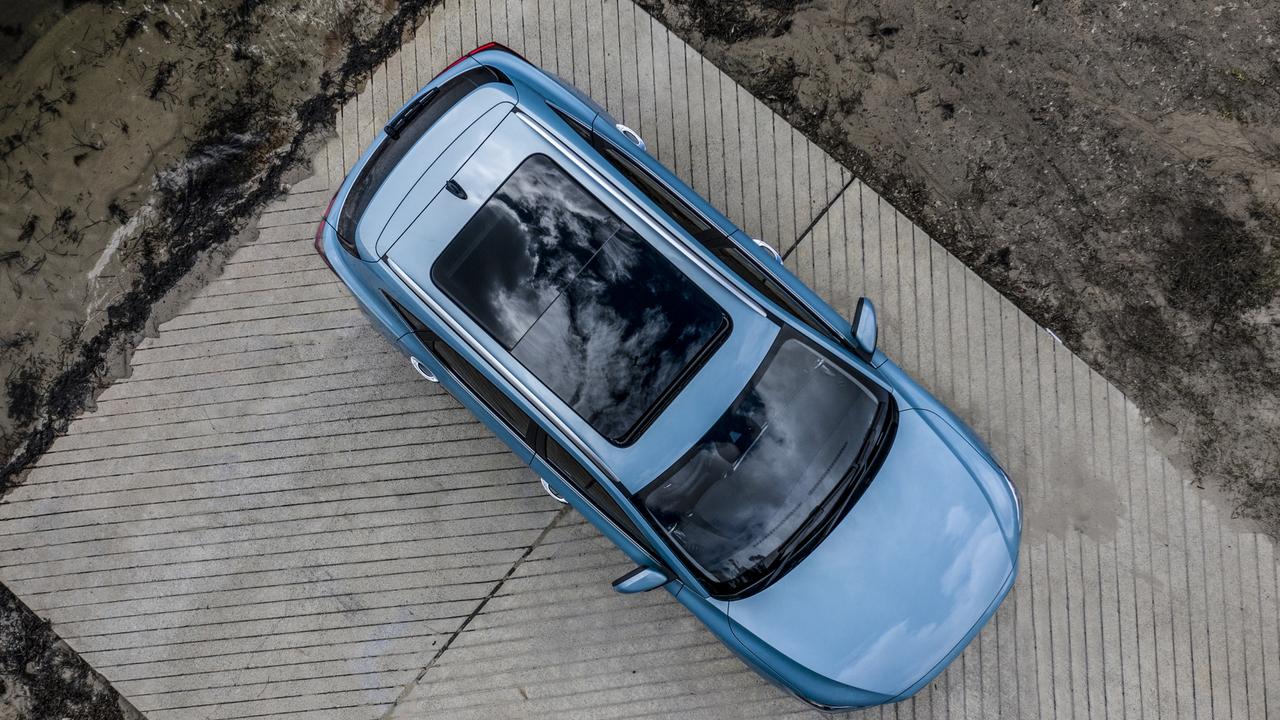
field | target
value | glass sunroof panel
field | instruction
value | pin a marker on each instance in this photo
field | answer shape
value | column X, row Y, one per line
column 520, row 249
column 594, row 311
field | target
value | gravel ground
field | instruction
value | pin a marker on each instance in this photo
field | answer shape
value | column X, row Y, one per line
column 1113, row 168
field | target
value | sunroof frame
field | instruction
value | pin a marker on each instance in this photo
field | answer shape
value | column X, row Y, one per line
column 452, row 262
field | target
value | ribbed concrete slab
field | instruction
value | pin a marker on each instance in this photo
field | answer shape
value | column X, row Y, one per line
column 273, row 517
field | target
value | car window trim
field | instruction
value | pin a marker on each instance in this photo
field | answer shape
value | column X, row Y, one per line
column 601, row 142
column 657, row 225
column 428, row 337
column 415, row 324
column 540, row 440
column 583, row 130
column 815, row 319
column 715, row 231
column 539, row 433
column 536, row 439
column 712, row 229
column 525, row 436
column 529, row 396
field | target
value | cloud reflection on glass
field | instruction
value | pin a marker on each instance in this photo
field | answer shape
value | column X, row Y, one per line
column 594, row 311
column 766, row 465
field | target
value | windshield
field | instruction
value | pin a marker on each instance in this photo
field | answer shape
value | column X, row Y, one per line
column 752, row 483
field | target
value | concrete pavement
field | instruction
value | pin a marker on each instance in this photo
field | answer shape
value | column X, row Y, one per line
column 274, row 517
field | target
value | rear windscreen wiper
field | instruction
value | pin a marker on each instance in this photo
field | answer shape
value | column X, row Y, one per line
column 406, row 114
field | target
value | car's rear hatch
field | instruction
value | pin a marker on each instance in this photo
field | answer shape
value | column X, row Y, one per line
column 419, row 229
column 402, row 175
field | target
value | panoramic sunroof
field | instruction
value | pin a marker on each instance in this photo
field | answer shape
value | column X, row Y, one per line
column 594, row 311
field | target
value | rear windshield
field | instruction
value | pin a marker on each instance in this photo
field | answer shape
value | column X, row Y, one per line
column 594, row 311
column 393, row 149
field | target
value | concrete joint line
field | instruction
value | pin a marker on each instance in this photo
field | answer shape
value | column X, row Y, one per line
column 826, row 208
column 408, row 688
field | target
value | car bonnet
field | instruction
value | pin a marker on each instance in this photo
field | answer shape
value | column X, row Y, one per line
column 900, row 582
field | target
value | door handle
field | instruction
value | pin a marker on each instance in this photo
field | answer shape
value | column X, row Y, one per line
column 767, row 248
column 554, row 495
column 422, row 369
column 632, row 135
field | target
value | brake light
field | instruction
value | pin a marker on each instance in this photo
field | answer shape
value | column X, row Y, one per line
column 495, row 46
column 482, row 48
column 320, row 233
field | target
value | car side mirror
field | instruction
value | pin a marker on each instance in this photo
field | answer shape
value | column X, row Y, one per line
column 863, row 330
column 642, row 579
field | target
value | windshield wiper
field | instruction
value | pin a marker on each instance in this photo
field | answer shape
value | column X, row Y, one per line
column 817, row 526
column 410, row 111
column 825, row 517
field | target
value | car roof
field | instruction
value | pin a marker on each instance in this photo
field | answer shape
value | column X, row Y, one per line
column 601, row 317
column 433, row 158
column 517, row 137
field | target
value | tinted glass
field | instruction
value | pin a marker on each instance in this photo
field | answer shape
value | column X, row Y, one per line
column 488, row 393
column 733, row 257
column 594, row 311
column 655, row 190
column 574, row 123
column 519, row 251
column 410, row 319
column 586, row 483
column 766, row 465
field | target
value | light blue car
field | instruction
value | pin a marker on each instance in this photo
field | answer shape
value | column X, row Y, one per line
column 751, row 451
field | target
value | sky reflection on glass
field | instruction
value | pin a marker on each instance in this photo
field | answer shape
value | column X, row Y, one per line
column 766, row 465
column 594, row 311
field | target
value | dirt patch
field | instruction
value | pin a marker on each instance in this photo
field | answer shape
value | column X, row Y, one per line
column 42, row 679
column 137, row 141
column 1113, row 168
column 24, row 22
column 107, row 121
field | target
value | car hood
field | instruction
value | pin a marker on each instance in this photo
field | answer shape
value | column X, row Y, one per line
column 900, row 582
